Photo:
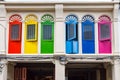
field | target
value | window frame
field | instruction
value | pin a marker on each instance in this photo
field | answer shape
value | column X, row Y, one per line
column 36, row 30
column 99, row 24
column 47, row 23
column 20, row 30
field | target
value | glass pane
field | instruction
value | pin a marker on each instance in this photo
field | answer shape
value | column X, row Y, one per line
column 47, row 32
column 15, row 32
column 104, row 31
column 71, row 31
column 31, row 31
column 87, row 32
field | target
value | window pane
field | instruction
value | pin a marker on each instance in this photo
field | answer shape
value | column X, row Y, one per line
column 15, row 32
column 71, row 31
column 104, row 31
column 87, row 32
column 31, row 31
column 47, row 32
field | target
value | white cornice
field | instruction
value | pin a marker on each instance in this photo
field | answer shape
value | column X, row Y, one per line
column 58, row 2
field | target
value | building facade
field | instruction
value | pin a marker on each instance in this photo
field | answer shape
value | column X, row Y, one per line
column 59, row 40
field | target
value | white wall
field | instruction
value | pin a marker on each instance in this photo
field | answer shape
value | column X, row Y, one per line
column 2, row 39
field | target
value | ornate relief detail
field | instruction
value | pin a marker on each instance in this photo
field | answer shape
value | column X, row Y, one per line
column 71, row 17
column 47, row 17
column 88, row 17
column 104, row 18
column 31, row 18
column 15, row 17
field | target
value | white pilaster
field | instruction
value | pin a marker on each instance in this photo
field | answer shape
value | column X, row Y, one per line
column 59, row 71
column 59, row 36
column 116, row 70
column 2, row 29
column 115, row 29
column 96, row 37
column 3, row 74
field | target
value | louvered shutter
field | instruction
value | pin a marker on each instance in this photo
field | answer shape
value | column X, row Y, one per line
column 87, row 32
column 31, row 31
column 15, row 32
column 47, row 32
column 104, row 31
column 71, row 31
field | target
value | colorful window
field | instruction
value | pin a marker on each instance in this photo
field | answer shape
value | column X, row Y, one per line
column 30, row 31
column 71, row 34
column 31, row 28
column 88, row 43
column 47, row 34
column 31, row 34
column 15, row 32
column 104, row 34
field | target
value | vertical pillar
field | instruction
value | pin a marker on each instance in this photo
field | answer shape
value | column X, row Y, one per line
column 115, row 28
column 3, row 27
column 98, row 74
column 59, row 36
column 3, row 69
column 96, row 37
column 80, row 36
column 59, row 71
column 11, row 71
column 108, row 68
column 116, row 70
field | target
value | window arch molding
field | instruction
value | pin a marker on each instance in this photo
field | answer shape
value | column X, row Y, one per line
column 47, row 18
column 15, row 17
column 88, row 18
column 71, row 18
column 104, row 18
column 31, row 17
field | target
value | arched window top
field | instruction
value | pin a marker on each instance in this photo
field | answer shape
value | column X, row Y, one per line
column 88, row 17
column 71, row 18
column 31, row 17
column 104, row 18
column 47, row 18
column 15, row 17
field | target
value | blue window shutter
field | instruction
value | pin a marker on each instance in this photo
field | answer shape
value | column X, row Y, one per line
column 75, row 47
column 71, row 32
column 88, row 46
column 69, row 47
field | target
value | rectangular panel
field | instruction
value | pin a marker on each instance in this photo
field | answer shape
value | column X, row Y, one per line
column 75, row 47
column 31, row 31
column 47, row 32
column 87, row 32
column 71, row 31
column 15, row 32
column 69, row 47
column 104, row 31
